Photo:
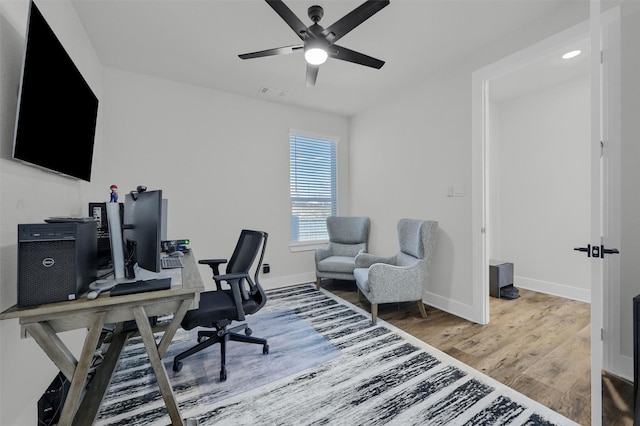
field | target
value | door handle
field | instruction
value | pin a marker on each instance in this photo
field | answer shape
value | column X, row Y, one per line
column 597, row 251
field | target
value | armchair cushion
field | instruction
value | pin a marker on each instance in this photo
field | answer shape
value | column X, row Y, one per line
column 339, row 264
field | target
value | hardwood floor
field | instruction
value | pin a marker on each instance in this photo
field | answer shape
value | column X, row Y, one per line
column 537, row 344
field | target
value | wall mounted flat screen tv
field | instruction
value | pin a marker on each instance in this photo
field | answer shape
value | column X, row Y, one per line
column 57, row 110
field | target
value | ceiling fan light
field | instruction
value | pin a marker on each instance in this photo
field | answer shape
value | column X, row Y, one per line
column 316, row 56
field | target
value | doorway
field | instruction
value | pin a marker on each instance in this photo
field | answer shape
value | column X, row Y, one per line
column 603, row 179
column 538, row 168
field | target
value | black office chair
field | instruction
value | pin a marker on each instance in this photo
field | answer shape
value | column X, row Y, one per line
column 219, row 308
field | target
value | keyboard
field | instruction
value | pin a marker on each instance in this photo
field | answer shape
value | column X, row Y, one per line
column 170, row 262
column 141, row 286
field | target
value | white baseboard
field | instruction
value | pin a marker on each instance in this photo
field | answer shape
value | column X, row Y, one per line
column 626, row 368
column 288, row 280
column 555, row 289
column 447, row 305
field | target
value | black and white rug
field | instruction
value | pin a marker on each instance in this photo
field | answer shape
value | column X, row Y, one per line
column 327, row 364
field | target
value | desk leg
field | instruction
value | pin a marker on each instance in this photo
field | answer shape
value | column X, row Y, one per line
column 61, row 356
column 149, row 341
column 178, row 315
column 88, row 410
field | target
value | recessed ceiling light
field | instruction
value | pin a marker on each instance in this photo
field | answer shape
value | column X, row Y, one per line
column 571, row 54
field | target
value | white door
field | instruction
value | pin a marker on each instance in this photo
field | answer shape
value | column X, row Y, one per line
column 605, row 198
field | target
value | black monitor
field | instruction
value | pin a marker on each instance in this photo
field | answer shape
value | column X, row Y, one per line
column 142, row 230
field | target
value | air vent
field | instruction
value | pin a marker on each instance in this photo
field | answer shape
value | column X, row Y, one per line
column 264, row 90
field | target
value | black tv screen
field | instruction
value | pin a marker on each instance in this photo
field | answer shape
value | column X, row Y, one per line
column 57, row 110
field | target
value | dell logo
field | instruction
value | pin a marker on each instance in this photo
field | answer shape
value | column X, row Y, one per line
column 48, row 262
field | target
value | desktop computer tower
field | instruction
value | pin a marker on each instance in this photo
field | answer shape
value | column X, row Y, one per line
column 56, row 261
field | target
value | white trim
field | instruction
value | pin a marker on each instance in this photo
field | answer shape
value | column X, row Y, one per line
column 554, row 289
column 449, row 305
column 288, row 280
column 304, row 133
column 595, row 233
column 298, row 246
column 611, row 131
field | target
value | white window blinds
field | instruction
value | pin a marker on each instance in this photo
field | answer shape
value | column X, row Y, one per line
column 312, row 186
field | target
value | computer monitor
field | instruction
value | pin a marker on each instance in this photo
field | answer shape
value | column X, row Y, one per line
column 142, row 229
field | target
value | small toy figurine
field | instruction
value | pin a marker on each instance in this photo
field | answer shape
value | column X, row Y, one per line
column 114, row 193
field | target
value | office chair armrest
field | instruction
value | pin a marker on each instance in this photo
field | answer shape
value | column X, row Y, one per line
column 238, row 293
column 235, row 278
column 231, row 277
column 214, row 264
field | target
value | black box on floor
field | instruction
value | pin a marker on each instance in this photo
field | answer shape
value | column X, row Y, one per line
column 500, row 275
column 51, row 402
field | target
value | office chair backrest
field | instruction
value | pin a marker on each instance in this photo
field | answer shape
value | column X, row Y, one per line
column 243, row 257
column 246, row 251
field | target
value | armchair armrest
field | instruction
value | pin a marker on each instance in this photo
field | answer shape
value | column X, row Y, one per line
column 390, row 283
column 322, row 253
column 365, row 260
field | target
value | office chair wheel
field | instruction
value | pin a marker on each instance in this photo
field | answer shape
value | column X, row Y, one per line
column 265, row 349
column 223, row 374
column 248, row 331
column 177, row 366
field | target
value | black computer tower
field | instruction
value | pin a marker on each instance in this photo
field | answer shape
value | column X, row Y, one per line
column 56, row 261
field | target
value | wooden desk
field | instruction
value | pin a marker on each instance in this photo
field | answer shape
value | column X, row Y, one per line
column 44, row 322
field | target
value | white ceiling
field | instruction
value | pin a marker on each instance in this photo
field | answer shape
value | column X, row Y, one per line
column 198, row 42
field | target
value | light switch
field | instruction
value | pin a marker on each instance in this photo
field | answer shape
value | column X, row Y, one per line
column 455, row 190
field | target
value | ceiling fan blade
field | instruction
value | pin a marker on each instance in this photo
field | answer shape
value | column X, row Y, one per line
column 272, row 52
column 289, row 17
column 344, row 54
column 352, row 19
column 312, row 74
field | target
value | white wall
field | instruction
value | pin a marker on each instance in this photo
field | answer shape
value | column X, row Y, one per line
column 427, row 131
column 30, row 195
column 221, row 160
column 540, row 195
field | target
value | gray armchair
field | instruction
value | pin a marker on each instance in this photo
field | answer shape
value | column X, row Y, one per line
column 348, row 236
column 402, row 277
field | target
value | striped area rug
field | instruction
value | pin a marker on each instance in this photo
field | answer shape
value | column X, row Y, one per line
column 327, row 364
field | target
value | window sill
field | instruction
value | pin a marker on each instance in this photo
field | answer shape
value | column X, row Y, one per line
column 298, row 246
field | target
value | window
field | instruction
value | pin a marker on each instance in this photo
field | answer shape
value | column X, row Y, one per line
column 312, row 180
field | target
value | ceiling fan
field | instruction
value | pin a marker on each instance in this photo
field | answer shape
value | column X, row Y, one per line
column 318, row 42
